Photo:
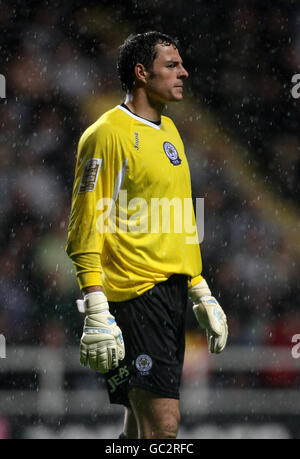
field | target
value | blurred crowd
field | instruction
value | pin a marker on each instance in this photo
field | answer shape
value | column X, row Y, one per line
column 59, row 64
column 257, row 55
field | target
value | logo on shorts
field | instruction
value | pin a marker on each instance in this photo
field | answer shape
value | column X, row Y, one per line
column 143, row 363
column 172, row 153
column 119, row 378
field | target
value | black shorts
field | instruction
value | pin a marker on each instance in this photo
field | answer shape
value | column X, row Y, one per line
column 153, row 328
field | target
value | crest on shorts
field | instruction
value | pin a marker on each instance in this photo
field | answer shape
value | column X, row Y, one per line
column 171, row 153
column 143, row 363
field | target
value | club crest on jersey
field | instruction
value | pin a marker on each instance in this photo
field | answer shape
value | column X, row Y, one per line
column 172, row 153
column 143, row 363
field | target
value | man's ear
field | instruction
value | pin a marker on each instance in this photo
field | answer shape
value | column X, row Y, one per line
column 140, row 73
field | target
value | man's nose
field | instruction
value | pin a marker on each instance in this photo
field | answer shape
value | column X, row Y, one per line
column 183, row 73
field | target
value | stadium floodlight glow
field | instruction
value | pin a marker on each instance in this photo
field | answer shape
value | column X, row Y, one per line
column 2, row 87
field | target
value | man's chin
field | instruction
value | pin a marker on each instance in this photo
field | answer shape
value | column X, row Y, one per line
column 176, row 97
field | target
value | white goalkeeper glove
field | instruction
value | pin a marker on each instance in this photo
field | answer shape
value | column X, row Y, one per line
column 210, row 316
column 101, row 344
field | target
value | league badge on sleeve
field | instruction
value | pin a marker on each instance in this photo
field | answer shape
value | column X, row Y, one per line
column 90, row 175
column 172, row 153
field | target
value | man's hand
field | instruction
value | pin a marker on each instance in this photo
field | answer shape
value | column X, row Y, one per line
column 210, row 316
column 101, row 344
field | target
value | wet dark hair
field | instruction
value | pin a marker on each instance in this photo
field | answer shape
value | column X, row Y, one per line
column 136, row 49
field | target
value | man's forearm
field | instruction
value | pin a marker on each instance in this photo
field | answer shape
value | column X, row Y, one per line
column 92, row 288
column 88, row 271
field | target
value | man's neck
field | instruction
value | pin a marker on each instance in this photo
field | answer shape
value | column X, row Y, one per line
column 142, row 106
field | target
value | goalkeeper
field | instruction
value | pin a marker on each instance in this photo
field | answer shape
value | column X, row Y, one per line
column 135, row 274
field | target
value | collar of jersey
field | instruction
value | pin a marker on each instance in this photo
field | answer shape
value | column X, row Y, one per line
column 139, row 118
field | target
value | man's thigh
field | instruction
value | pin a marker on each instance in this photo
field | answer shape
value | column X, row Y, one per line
column 157, row 417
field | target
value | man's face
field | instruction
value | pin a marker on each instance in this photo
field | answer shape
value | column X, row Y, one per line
column 165, row 79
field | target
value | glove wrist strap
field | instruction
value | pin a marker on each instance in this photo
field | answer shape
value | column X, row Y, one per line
column 93, row 303
column 199, row 291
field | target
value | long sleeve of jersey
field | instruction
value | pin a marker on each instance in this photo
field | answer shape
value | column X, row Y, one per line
column 94, row 180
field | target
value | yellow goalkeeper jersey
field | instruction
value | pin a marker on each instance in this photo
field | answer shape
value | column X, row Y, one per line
column 132, row 222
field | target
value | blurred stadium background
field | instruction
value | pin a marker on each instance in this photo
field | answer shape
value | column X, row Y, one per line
column 241, row 131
